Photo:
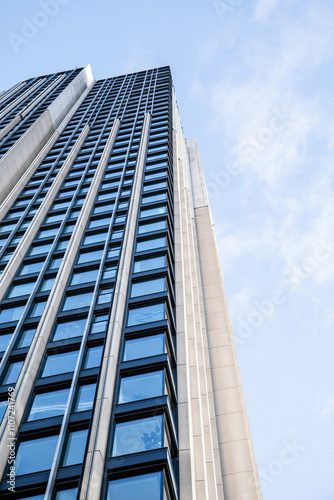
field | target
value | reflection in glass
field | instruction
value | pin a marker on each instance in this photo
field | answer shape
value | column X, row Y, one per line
column 93, row 356
column 154, row 226
column 141, row 386
column 84, row 277
column 35, row 455
column 144, row 347
column 69, row 329
column 60, row 363
column 150, row 244
column 148, row 287
column 77, row 301
column 49, row 404
column 146, row 314
column 85, row 397
column 12, row 373
column 138, row 435
column 26, row 337
column 146, row 486
column 75, row 447
column 67, row 494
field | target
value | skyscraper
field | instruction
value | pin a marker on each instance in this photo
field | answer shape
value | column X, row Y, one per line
column 119, row 374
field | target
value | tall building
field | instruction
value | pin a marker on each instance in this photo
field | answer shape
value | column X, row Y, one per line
column 119, row 377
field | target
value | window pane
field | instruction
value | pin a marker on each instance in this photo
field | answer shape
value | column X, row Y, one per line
column 144, row 347
column 3, row 406
column 146, row 314
column 142, row 386
column 102, row 221
column 35, row 455
column 33, row 267
column 37, row 249
column 138, row 435
column 74, row 328
column 84, row 277
column 67, row 494
column 4, row 341
column 75, row 447
column 150, row 244
column 60, row 363
column 154, row 226
column 62, row 244
column 47, row 284
column 147, row 287
column 77, row 301
column 148, row 212
column 46, row 233
column 85, row 397
column 50, row 404
column 148, row 264
column 95, row 238
column 11, row 314
column 93, row 357
column 147, row 486
column 90, row 256
column 154, row 197
column 37, row 309
column 26, row 337
column 155, row 185
column 13, row 372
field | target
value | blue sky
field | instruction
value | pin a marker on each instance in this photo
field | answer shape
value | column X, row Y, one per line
column 254, row 85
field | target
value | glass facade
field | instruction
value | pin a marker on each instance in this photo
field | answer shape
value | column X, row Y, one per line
column 96, row 188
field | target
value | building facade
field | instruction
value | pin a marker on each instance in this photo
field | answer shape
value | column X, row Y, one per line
column 118, row 372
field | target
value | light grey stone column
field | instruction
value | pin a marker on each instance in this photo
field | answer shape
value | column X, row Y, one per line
column 18, row 158
column 100, row 429
column 35, row 355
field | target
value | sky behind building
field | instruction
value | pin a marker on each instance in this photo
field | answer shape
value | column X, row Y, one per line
column 254, row 86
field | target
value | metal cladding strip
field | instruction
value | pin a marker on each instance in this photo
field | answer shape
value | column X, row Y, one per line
column 100, row 427
column 10, row 126
column 17, row 101
column 21, row 250
column 39, row 217
column 84, row 214
column 6, row 205
column 11, row 92
column 41, row 96
column 35, row 355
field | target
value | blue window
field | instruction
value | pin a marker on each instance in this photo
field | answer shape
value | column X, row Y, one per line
column 77, row 301
column 148, row 212
column 93, row 356
column 109, row 273
column 67, row 494
column 37, row 249
column 54, row 218
column 148, row 287
column 138, row 435
column 35, row 455
column 26, row 337
column 146, row 486
column 46, row 233
column 154, row 197
column 11, row 314
column 151, row 244
column 102, row 221
column 143, row 347
column 37, row 309
column 155, row 185
column 84, row 276
column 141, row 386
column 90, row 256
column 148, row 264
column 85, row 397
column 12, row 373
column 60, row 363
column 154, row 226
column 49, row 404
column 31, row 267
column 69, row 329
column 95, row 238
column 105, row 295
column 3, row 406
column 62, row 244
column 55, row 263
column 20, row 289
column 146, row 314
column 75, row 447
column 4, row 341
column 46, row 284
column 103, row 208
